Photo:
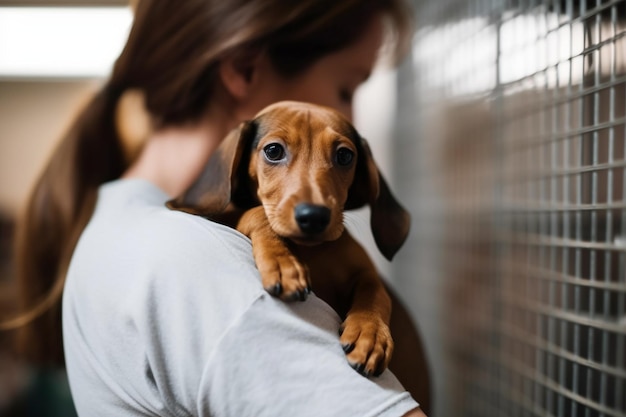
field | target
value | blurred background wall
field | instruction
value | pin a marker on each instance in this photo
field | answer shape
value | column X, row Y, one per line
column 51, row 59
column 33, row 114
column 510, row 151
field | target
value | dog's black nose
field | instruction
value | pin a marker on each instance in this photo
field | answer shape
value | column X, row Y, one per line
column 311, row 218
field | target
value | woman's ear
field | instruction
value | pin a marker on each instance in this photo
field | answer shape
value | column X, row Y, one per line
column 239, row 72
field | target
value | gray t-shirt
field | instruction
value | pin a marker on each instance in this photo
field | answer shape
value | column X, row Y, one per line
column 164, row 314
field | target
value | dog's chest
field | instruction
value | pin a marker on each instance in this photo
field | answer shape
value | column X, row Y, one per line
column 332, row 279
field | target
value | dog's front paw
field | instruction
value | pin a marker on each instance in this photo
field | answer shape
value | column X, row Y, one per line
column 285, row 277
column 367, row 341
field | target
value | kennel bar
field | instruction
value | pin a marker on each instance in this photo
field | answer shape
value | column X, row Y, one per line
column 521, row 140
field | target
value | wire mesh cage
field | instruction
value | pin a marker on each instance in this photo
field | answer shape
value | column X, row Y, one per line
column 512, row 119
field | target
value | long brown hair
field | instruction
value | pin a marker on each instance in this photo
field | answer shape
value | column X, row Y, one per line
column 171, row 56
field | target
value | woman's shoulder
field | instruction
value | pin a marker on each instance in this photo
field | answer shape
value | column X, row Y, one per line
column 145, row 261
column 133, row 233
column 136, row 210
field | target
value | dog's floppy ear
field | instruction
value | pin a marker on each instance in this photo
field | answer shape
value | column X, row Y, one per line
column 223, row 179
column 389, row 221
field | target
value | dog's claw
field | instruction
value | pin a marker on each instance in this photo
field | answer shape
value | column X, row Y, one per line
column 302, row 295
column 347, row 347
column 360, row 368
column 298, row 296
column 275, row 289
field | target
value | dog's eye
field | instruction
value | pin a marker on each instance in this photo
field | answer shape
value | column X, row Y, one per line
column 344, row 156
column 274, row 152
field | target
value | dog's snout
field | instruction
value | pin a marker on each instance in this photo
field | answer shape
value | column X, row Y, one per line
column 311, row 218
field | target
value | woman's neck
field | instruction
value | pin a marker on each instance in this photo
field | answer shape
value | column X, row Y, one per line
column 174, row 156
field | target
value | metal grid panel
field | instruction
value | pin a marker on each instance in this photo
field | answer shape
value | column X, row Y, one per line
column 520, row 203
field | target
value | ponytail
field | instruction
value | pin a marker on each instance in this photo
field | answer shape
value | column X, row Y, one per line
column 58, row 210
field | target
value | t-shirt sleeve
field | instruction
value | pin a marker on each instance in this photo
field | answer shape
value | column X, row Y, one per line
column 218, row 345
column 283, row 359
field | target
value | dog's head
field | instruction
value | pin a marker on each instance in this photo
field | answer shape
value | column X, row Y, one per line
column 305, row 164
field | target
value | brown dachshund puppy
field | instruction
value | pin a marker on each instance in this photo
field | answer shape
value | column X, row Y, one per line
column 284, row 180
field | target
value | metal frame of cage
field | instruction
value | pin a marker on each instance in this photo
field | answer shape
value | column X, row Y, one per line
column 520, row 202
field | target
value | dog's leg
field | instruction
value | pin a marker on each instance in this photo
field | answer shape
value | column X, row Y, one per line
column 365, row 332
column 281, row 272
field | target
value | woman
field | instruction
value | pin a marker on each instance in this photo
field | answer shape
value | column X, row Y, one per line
column 163, row 312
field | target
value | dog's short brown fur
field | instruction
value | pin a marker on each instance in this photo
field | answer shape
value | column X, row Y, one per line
column 284, row 179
